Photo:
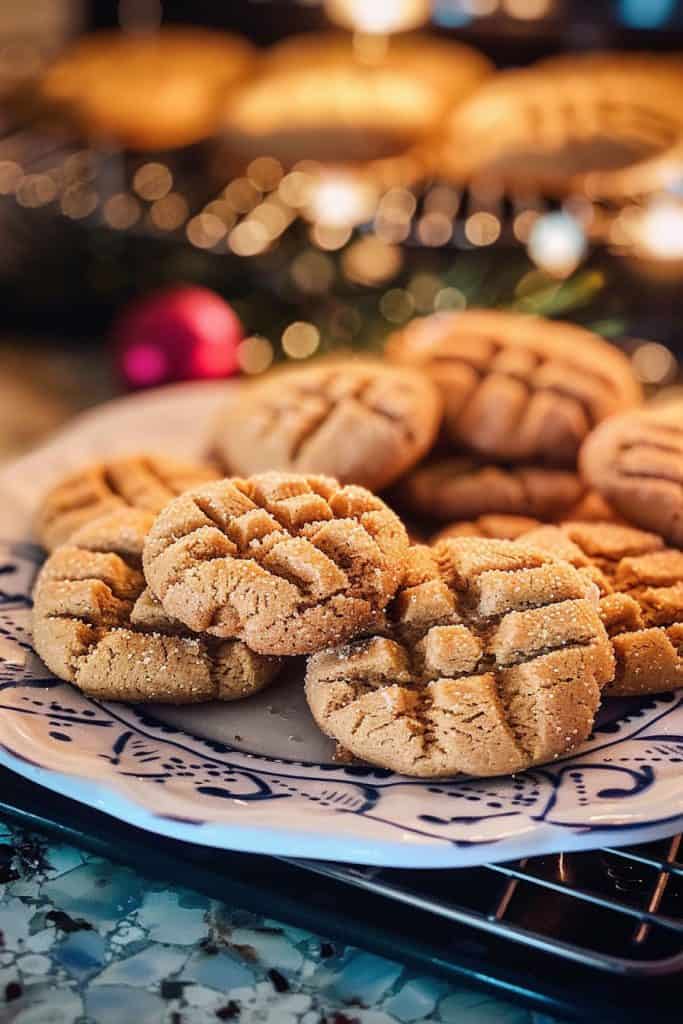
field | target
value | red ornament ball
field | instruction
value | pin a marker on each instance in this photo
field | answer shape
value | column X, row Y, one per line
column 180, row 333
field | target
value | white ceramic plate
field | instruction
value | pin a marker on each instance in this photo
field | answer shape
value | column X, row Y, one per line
column 257, row 775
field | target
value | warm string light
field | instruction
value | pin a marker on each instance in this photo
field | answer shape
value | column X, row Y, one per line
column 378, row 17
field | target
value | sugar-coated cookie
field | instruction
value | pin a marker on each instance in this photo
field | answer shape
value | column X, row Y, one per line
column 636, row 462
column 145, row 482
column 641, row 583
column 492, row 659
column 361, row 422
column 96, row 625
column 286, row 562
column 517, row 387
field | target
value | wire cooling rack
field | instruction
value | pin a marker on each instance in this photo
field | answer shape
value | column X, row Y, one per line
column 594, row 935
column 615, row 910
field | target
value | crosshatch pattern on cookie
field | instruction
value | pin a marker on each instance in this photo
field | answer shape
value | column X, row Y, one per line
column 641, row 605
column 492, row 659
column 146, row 482
column 362, row 423
column 636, row 462
column 97, row 626
column 288, row 563
column 518, row 387
column 462, row 487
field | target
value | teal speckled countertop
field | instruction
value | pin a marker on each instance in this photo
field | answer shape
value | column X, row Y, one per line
column 86, row 941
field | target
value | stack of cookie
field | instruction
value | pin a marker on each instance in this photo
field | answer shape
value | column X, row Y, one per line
column 484, row 653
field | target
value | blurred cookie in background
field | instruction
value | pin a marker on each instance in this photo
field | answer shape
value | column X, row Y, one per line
column 157, row 90
column 340, row 98
column 606, row 125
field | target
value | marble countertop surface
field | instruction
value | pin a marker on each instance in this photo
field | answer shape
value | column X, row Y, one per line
column 88, row 941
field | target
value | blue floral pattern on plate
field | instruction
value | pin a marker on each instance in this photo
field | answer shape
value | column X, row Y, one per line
column 624, row 785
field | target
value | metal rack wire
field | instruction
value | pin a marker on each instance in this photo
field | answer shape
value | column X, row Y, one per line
column 618, row 911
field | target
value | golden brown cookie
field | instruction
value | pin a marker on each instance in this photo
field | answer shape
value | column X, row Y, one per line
column 286, row 562
column 636, row 462
column 591, row 508
column 517, row 387
column 145, row 482
column 495, row 527
column 641, row 582
column 362, row 422
column 317, row 98
column 147, row 91
column 606, row 125
column 492, row 660
column 462, row 487
column 97, row 626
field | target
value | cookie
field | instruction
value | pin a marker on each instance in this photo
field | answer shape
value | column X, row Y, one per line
column 517, row 387
column 492, row 660
column 636, row 462
column 462, row 487
column 315, row 99
column 495, row 527
column 288, row 563
column 603, row 125
column 360, row 422
column 147, row 91
column 590, row 508
column 146, row 482
column 641, row 583
column 97, row 626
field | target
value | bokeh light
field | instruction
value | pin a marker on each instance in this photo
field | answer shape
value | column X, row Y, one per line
column 254, row 354
column 121, row 211
column 654, row 363
column 312, row 272
column 152, row 181
column 435, row 229
column 35, row 190
column 339, row 200
column 557, row 243
column 482, row 228
column 300, row 340
column 397, row 305
column 169, row 213
column 205, row 230
column 249, row 238
column 265, row 173
column 371, row 262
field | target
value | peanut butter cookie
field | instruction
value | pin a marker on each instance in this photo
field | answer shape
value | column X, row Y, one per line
column 360, row 422
column 462, row 487
column 146, row 482
column 518, row 387
column 154, row 90
column 592, row 508
column 636, row 462
column 97, row 626
column 641, row 583
column 288, row 563
column 495, row 527
column 492, row 660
